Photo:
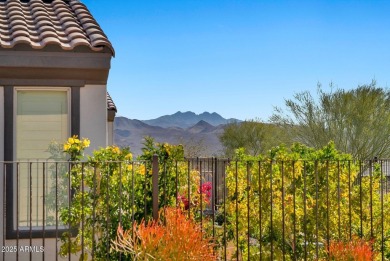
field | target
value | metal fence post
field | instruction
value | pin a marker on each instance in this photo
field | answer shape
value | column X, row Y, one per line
column 155, row 168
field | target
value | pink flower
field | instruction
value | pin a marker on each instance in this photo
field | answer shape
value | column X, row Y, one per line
column 206, row 189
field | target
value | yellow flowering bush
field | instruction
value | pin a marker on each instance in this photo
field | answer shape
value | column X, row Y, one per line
column 297, row 201
column 74, row 147
column 111, row 189
column 102, row 187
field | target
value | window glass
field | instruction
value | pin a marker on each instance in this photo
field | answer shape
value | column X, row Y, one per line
column 42, row 121
column 41, row 118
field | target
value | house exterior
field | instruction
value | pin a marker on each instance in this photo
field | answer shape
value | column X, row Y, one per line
column 54, row 64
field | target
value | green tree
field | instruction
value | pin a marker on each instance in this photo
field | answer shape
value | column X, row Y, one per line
column 358, row 120
column 254, row 136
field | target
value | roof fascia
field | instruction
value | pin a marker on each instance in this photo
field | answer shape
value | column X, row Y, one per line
column 53, row 68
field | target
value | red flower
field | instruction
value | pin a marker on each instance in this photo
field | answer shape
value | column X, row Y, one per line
column 183, row 200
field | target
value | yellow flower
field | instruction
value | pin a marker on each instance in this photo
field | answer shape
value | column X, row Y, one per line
column 142, row 170
column 115, row 149
column 129, row 156
column 86, row 143
column 74, row 139
column 66, row 146
column 130, row 167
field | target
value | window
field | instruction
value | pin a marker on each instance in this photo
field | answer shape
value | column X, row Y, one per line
column 37, row 121
column 42, row 120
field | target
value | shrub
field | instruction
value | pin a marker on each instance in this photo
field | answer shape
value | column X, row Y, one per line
column 110, row 189
column 174, row 237
column 356, row 249
column 103, row 196
column 317, row 196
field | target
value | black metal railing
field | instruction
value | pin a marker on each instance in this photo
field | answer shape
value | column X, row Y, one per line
column 255, row 210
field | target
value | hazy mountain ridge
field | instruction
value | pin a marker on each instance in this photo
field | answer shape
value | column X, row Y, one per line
column 201, row 131
column 187, row 119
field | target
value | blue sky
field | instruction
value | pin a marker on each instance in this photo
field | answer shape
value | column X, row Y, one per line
column 238, row 58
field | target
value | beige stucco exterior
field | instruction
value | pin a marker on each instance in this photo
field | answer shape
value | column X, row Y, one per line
column 93, row 115
column 110, row 133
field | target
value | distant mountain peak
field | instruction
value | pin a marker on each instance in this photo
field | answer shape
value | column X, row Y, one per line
column 187, row 119
column 201, row 126
column 203, row 123
column 191, row 113
column 186, row 113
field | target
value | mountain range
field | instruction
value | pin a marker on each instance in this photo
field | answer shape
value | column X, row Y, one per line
column 199, row 133
column 188, row 119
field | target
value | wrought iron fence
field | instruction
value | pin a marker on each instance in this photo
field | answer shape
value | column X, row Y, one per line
column 255, row 210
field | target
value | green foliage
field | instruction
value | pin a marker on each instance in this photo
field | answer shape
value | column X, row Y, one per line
column 298, row 199
column 166, row 152
column 103, row 197
column 111, row 189
column 357, row 120
column 168, row 156
column 178, row 182
column 295, row 199
column 255, row 136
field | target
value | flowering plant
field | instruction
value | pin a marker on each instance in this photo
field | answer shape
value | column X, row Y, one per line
column 75, row 147
column 311, row 196
column 203, row 193
column 173, row 237
column 183, row 202
column 206, row 190
column 356, row 249
column 109, row 189
column 99, row 186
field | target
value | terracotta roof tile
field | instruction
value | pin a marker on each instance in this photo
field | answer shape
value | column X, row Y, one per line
column 65, row 23
column 110, row 103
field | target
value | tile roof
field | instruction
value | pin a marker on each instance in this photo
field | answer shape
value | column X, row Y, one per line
column 110, row 103
column 38, row 23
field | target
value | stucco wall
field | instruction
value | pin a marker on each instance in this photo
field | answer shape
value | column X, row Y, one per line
column 93, row 115
column 110, row 133
column 1, row 123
